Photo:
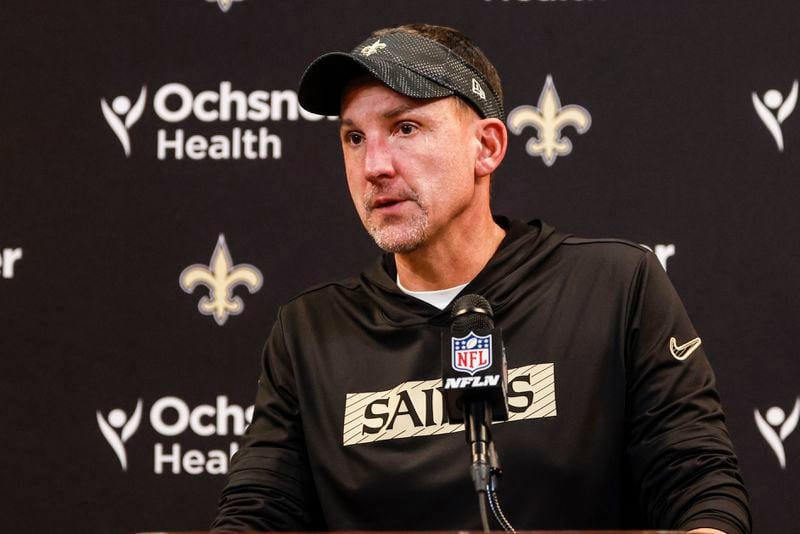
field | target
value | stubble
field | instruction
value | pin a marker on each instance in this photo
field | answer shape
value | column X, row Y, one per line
column 397, row 234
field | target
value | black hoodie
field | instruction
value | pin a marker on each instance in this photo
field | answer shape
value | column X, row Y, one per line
column 615, row 420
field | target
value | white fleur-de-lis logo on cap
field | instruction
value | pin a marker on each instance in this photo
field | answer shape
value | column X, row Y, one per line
column 373, row 48
column 549, row 118
column 221, row 276
column 118, row 419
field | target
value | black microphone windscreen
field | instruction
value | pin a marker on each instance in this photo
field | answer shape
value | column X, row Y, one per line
column 471, row 313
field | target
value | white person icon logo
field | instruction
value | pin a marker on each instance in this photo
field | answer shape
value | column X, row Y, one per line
column 776, row 427
column 224, row 5
column 121, row 115
column 118, row 419
column 774, row 109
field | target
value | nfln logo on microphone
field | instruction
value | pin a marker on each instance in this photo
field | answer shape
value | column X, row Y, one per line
column 472, row 353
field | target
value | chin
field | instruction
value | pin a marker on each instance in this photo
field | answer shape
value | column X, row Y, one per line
column 398, row 240
column 401, row 237
column 397, row 248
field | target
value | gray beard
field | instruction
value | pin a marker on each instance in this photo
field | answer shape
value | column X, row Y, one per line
column 402, row 240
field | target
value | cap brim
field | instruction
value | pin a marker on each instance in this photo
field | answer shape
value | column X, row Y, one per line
column 324, row 81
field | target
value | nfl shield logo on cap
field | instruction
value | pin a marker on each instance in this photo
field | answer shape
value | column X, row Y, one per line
column 471, row 353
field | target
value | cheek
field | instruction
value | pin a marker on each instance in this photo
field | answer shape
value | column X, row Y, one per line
column 455, row 183
column 432, row 159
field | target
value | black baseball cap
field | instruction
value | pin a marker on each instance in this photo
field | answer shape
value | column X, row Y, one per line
column 408, row 63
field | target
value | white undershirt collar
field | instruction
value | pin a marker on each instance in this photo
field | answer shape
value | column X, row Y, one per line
column 439, row 298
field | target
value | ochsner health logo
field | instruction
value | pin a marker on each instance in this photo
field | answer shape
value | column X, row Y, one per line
column 190, row 118
column 118, row 421
column 121, row 116
column 776, row 427
column 179, row 425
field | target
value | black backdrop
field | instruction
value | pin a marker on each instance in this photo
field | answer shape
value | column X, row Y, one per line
column 93, row 242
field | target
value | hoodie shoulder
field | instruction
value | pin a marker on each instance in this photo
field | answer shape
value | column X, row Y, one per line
column 607, row 249
column 573, row 240
column 323, row 305
column 605, row 255
column 348, row 284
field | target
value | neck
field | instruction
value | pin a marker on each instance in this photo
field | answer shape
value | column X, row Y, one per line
column 452, row 259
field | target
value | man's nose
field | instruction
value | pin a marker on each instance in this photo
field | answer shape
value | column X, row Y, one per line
column 378, row 160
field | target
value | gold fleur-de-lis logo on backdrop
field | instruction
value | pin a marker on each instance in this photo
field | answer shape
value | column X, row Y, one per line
column 221, row 276
column 549, row 118
column 373, row 48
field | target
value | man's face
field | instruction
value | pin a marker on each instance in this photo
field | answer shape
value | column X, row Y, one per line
column 410, row 163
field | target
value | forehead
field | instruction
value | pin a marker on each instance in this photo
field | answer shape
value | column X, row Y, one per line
column 367, row 96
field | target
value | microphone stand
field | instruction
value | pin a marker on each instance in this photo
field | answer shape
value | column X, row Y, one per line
column 485, row 466
column 478, row 420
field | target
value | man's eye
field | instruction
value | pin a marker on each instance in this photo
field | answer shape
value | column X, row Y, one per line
column 407, row 128
column 354, row 138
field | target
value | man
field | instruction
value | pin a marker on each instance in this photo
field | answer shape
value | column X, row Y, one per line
column 615, row 422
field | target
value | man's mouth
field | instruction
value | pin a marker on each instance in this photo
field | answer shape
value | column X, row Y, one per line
column 389, row 201
column 382, row 202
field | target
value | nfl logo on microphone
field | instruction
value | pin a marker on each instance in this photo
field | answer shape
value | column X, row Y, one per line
column 472, row 353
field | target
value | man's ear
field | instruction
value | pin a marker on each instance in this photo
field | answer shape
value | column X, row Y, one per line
column 493, row 138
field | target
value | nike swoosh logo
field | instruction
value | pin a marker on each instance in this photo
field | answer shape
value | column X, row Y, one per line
column 681, row 352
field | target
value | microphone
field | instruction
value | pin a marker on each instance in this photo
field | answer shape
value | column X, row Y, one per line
column 475, row 380
column 474, row 369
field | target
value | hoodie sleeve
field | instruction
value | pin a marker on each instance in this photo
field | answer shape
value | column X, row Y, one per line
column 270, row 485
column 682, row 459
